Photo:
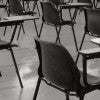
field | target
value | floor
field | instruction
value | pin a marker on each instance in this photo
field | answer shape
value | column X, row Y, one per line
column 27, row 61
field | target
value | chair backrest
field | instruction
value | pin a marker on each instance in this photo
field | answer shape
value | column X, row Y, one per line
column 57, row 65
column 92, row 17
column 51, row 15
column 15, row 7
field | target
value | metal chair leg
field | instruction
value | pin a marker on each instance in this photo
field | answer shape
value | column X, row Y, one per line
column 75, row 15
column 74, row 37
column 80, row 46
column 58, row 33
column 7, row 8
column 95, row 3
column 67, row 96
column 15, row 64
column 41, row 30
column 37, row 89
column 34, row 5
column 36, row 28
column 5, row 30
column 38, row 9
column 82, row 97
column 70, row 14
column 28, row 6
column 21, row 26
column 19, row 32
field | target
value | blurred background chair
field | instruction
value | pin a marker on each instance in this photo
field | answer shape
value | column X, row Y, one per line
column 70, row 5
column 92, row 27
column 18, row 10
column 80, row 9
column 58, row 69
column 52, row 16
column 9, row 45
column 31, row 5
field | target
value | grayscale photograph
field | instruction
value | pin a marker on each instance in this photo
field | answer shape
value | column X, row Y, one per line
column 49, row 49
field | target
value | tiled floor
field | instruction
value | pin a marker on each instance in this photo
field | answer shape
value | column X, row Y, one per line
column 27, row 61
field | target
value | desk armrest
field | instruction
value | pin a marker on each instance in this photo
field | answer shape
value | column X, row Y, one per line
column 96, row 41
column 66, row 6
column 4, row 23
column 23, row 18
column 93, row 51
column 74, row 5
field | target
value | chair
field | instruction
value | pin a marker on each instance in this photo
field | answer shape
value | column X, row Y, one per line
column 79, row 5
column 49, row 9
column 58, row 69
column 18, row 10
column 91, row 26
column 81, row 8
column 9, row 45
column 82, row 1
column 27, row 7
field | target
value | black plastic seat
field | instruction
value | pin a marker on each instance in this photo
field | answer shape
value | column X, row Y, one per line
column 58, row 69
column 9, row 45
column 52, row 16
